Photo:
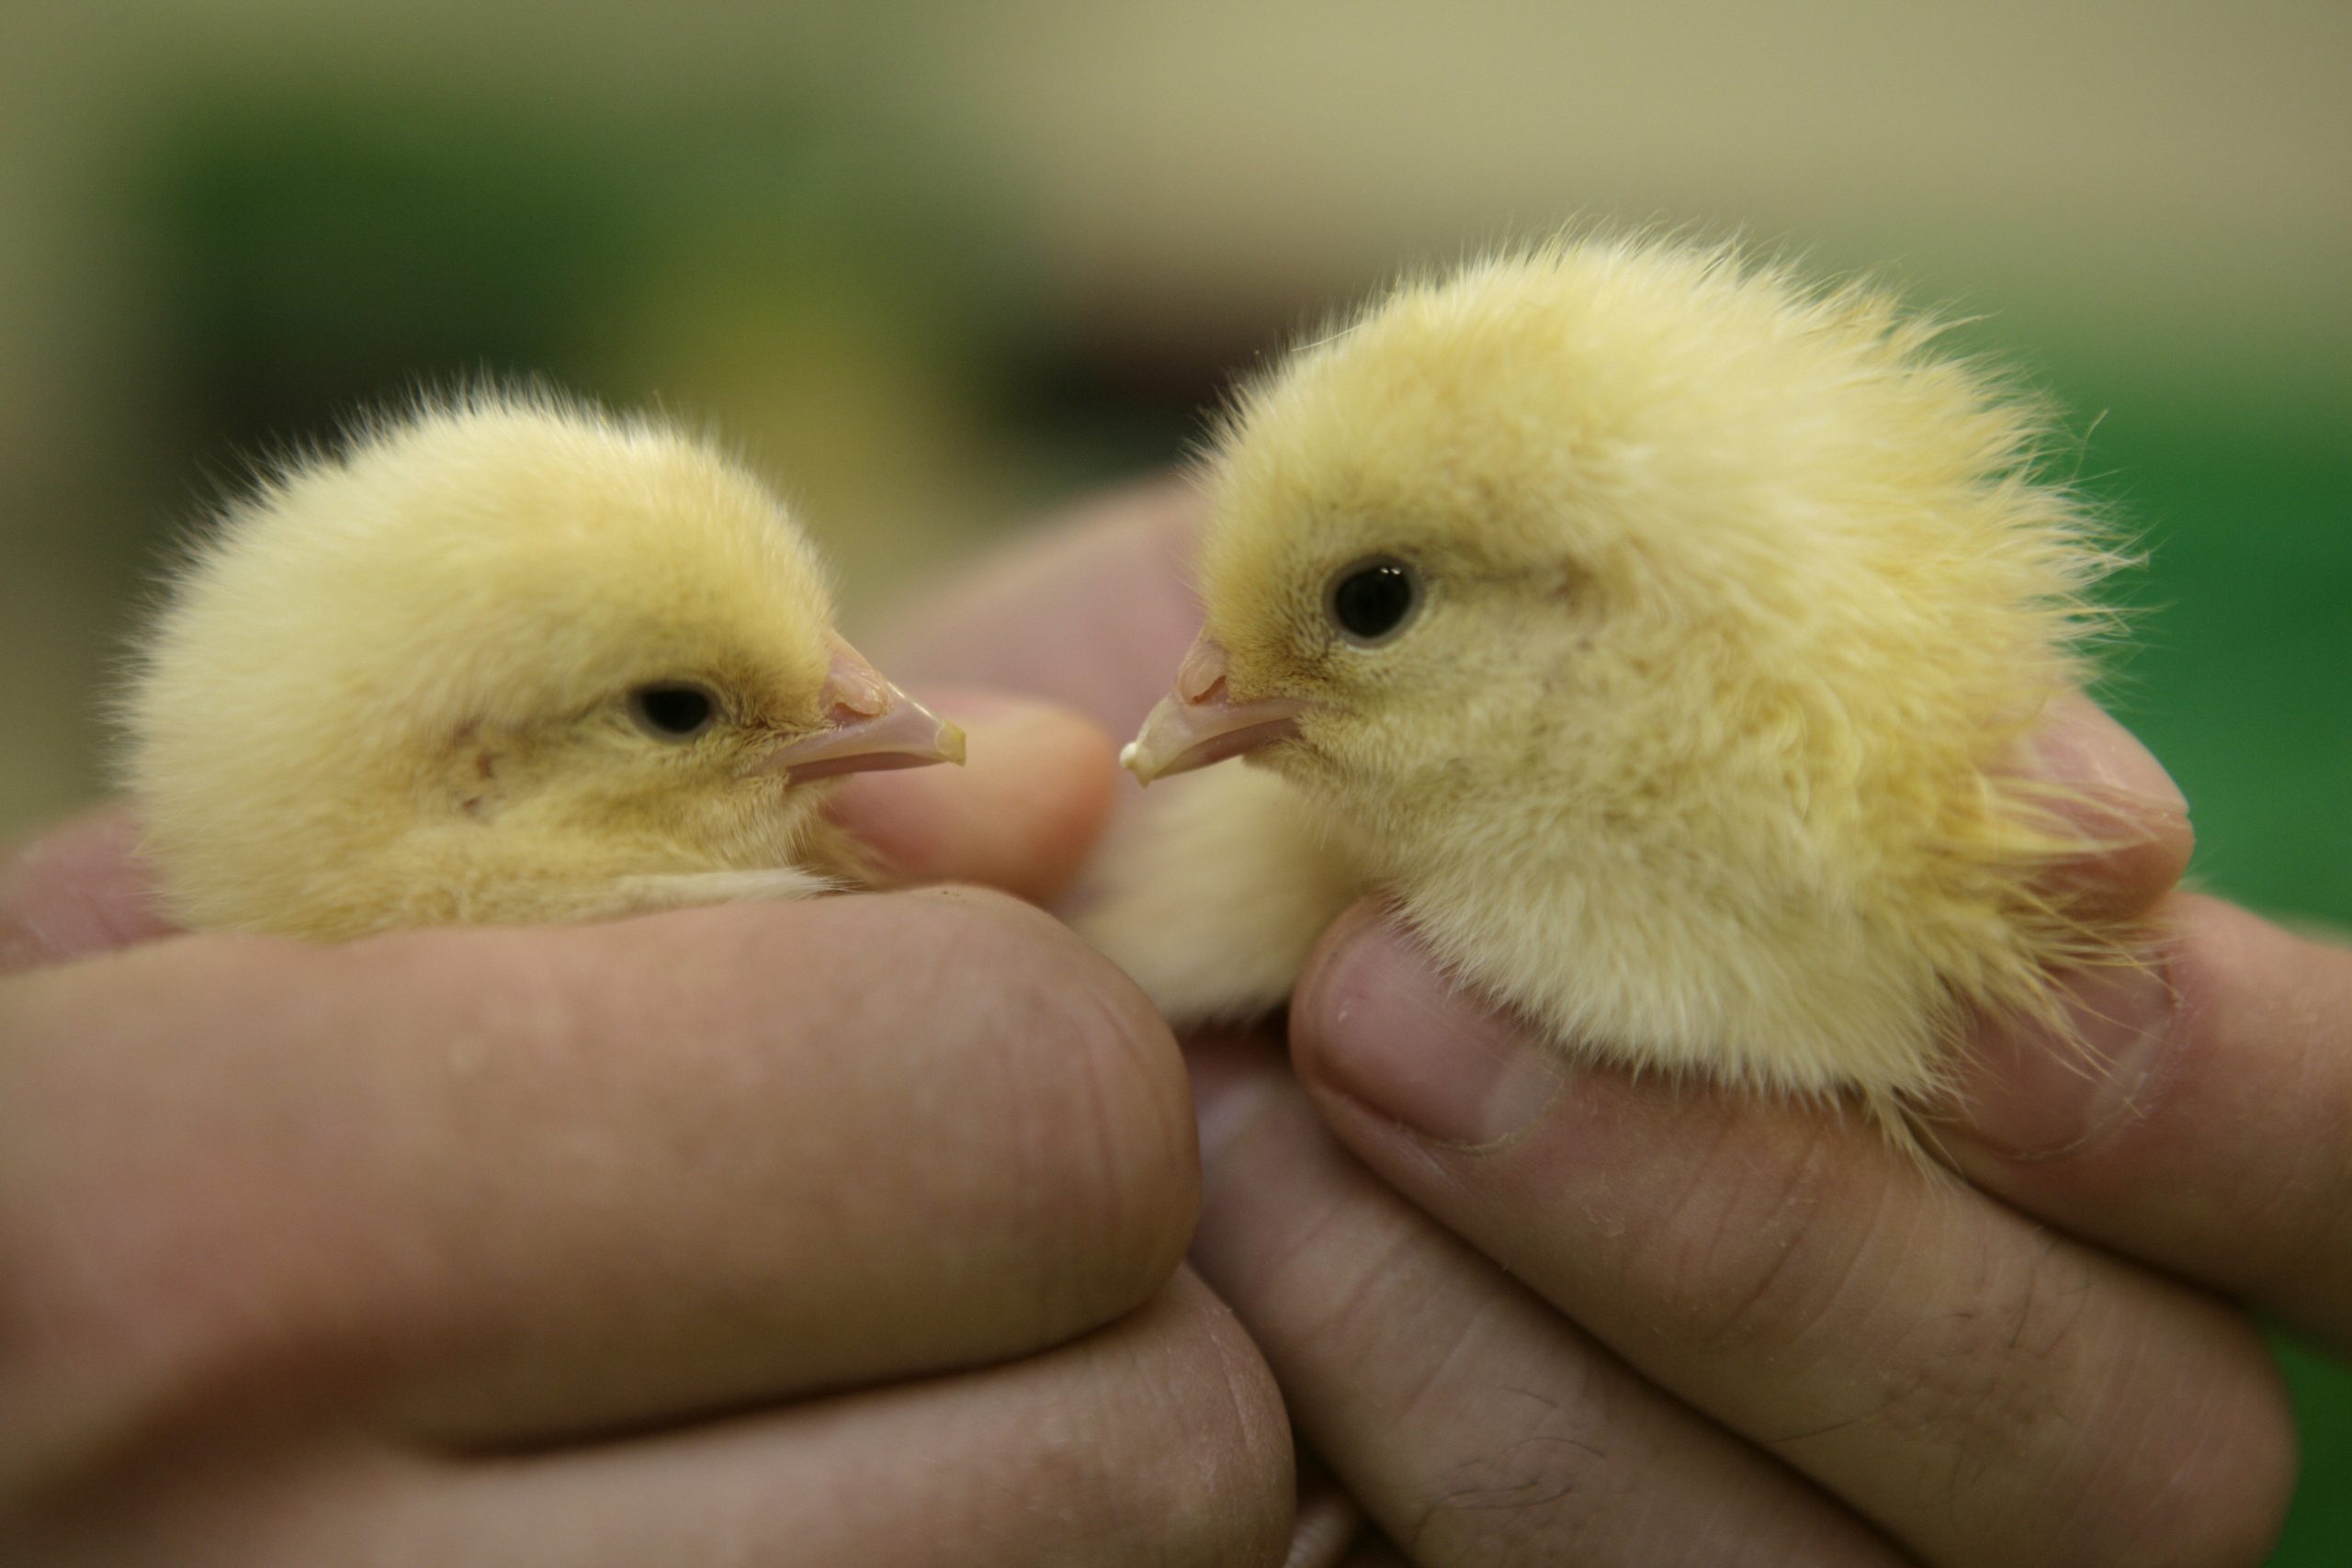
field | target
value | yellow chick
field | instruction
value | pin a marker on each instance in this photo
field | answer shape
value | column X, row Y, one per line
column 504, row 659
column 1656, row 632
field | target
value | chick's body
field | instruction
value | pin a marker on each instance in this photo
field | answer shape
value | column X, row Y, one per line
column 507, row 659
column 1725, row 606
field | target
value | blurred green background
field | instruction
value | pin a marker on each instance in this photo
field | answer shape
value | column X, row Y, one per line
column 940, row 267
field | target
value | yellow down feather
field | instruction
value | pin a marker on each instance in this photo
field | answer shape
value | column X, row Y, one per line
column 1736, row 601
column 392, row 687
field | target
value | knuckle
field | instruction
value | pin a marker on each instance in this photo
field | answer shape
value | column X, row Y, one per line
column 2173, row 1455
column 1758, row 1247
column 2001, row 1372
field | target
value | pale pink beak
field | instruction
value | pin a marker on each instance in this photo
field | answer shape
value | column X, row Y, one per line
column 1199, row 722
column 874, row 726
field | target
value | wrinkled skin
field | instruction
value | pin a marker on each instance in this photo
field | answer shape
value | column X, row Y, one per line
column 1528, row 1315
column 844, row 1230
column 1523, row 1316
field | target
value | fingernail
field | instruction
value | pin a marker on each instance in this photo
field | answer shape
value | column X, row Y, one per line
column 2079, row 742
column 2035, row 1095
column 1377, row 1021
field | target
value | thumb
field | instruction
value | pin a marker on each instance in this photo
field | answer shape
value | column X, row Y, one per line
column 1021, row 815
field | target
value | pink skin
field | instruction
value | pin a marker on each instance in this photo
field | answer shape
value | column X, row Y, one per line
column 496, row 1246
column 1525, row 1314
column 1531, row 1312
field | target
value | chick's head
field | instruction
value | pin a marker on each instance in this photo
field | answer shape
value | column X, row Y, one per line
column 502, row 632
column 1623, row 533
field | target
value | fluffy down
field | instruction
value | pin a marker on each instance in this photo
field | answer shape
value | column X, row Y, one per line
column 1725, row 604
column 502, row 659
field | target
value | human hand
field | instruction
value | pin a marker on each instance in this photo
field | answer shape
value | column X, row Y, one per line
column 1528, row 1311
column 845, row 1230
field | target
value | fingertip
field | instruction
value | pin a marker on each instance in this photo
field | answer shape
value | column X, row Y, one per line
column 2121, row 799
column 1063, row 1018
column 1021, row 815
column 76, row 889
column 2081, row 742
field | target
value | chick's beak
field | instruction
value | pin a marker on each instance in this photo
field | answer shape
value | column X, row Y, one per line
column 871, row 726
column 1199, row 722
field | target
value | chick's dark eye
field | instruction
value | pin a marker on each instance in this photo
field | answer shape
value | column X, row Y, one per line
column 1371, row 601
column 673, row 710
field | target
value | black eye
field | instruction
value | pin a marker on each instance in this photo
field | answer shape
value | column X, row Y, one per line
column 673, row 710
column 1371, row 601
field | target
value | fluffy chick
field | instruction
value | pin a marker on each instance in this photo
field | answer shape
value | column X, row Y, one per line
column 502, row 659
column 1657, row 632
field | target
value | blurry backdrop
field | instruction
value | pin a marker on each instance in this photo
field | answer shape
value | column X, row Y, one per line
column 938, row 266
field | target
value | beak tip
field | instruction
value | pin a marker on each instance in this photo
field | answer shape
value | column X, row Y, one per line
column 903, row 734
column 1131, row 758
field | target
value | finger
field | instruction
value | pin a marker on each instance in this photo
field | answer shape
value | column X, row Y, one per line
column 2119, row 797
column 1063, row 1459
column 1021, row 815
column 75, row 889
column 1988, row 1393
column 1327, row 1523
column 1327, row 1526
column 1159, row 1441
column 2209, row 1131
column 1471, row 1421
column 1094, row 612
column 494, row 1185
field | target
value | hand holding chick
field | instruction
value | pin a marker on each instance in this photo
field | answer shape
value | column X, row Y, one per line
column 336, row 1251
column 507, row 659
column 1660, row 635
column 1656, row 1321
column 775, row 1232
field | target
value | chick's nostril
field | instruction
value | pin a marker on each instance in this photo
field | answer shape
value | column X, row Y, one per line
column 850, row 698
column 852, row 685
column 1201, row 675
